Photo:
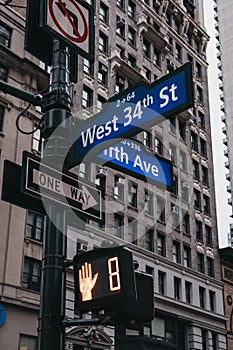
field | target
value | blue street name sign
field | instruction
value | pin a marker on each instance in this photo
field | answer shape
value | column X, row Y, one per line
column 131, row 157
column 2, row 315
column 134, row 109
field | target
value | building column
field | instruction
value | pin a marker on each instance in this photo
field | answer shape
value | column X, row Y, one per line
column 194, row 338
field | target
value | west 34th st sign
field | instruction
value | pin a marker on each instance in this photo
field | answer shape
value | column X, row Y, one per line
column 126, row 114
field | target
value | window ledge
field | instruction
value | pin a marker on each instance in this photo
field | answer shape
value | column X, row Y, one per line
column 31, row 240
column 132, row 207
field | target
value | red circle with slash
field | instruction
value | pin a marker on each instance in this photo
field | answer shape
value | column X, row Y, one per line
column 79, row 38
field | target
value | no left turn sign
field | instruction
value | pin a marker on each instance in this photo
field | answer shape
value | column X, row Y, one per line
column 71, row 21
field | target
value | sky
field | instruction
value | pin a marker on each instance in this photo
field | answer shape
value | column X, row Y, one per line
column 223, row 209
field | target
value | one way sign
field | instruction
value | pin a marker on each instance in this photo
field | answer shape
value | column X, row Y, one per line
column 64, row 188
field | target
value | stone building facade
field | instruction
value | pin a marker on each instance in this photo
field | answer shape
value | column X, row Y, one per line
column 173, row 235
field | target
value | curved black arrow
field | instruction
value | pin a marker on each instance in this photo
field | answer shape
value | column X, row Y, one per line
column 71, row 16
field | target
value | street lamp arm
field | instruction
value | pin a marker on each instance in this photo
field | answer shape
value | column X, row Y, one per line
column 21, row 94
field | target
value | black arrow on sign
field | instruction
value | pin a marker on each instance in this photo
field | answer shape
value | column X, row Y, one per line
column 70, row 15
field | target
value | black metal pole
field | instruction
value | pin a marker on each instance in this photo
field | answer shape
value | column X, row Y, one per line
column 56, row 105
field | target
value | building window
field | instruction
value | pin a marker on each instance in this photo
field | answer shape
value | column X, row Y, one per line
column 183, row 161
column 177, row 288
column 186, row 224
column 176, row 252
column 188, row 292
column 131, row 36
column 200, row 263
column 100, row 178
column 187, row 256
column 203, row 147
column 201, row 120
column 172, row 126
column 132, row 194
column 120, row 84
column 212, row 300
column 2, row 111
column 194, row 141
column 189, row 4
column 161, row 245
column 202, row 297
column 146, row 48
column 161, row 282
column 214, row 341
column 87, row 66
column 160, row 209
column 175, row 216
column 156, row 57
column 170, row 66
column 132, row 231
column 37, row 140
column 120, row 26
column 103, row 73
column 208, row 235
column 206, row 204
column 199, row 95
column 119, row 186
column 100, row 103
column 5, row 35
column 173, row 154
column 132, row 61
column 148, row 73
column 178, row 52
column 87, row 97
column 196, row 172
column 82, row 171
column 121, row 4
column 182, row 129
column 184, row 191
column 150, row 270
column 204, row 338
column 199, row 231
column 147, row 139
column 27, row 342
column 103, row 42
column 3, row 73
column 176, row 26
column 148, row 202
column 90, row 2
column 175, row 186
column 103, row 13
column 32, row 274
column 118, row 225
column 190, row 40
column 131, row 9
column 158, row 146
column 35, row 226
column 149, row 240
column 205, row 175
column 197, row 199
column 210, row 267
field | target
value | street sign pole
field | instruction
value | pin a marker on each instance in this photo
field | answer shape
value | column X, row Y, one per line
column 57, row 110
